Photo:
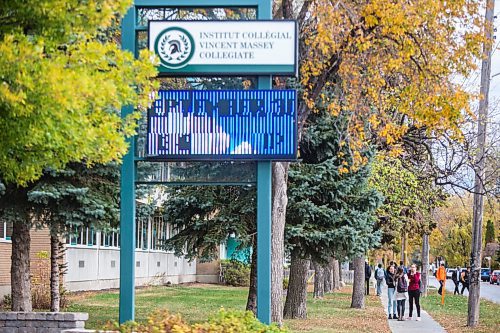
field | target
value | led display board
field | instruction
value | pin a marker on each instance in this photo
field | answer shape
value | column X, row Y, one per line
column 224, row 47
column 223, row 125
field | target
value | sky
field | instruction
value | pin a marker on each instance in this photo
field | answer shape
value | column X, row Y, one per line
column 495, row 63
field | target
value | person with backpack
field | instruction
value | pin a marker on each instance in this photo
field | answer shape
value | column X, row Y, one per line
column 401, row 289
column 455, row 278
column 414, row 290
column 368, row 275
column 379, row 275
column 465, row 278
column 401, row 264
column 391, row 290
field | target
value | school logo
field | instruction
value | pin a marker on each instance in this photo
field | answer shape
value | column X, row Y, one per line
column 175, row 46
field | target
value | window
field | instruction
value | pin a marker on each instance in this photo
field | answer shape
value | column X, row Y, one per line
column 141, row 234
column 110, row 238
column 159, row 233
column 5, row 230
column 83, row 236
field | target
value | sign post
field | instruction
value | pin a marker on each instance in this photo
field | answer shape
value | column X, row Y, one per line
column 209, row 125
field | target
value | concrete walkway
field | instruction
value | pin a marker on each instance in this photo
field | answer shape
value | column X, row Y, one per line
column 427, row 325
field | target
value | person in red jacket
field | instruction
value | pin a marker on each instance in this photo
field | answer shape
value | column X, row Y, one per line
column 414, row 290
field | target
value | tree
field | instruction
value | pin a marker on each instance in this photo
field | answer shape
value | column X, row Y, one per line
column 389, row 63
column 490, row 232
column 330, row 210
column 60, row 99
column 63, row 201
column 204, row 217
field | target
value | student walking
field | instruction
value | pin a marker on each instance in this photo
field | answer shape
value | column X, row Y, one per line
column 414, row 290
column 441, row 277
column 403, row 267
column 368, row 274
column 401, row 289
column 455, row 278
column 464, row 278
column 379, row 275
column 391, row 292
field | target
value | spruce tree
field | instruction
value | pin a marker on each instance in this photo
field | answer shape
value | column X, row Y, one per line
column 331, row 208
column 63, row 201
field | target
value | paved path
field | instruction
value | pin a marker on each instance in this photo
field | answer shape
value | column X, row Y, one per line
column 427, row 325
column 491, row 292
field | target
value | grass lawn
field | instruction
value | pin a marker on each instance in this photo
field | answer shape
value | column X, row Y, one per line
column 453, row 315
column 196, row 302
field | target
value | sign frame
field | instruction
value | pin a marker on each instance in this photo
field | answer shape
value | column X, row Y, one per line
column 229, row 157
column 229, row 70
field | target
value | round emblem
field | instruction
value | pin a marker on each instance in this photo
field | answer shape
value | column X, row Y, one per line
column 175, row 46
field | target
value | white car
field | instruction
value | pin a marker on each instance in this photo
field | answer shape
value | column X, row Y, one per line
column 449, row 272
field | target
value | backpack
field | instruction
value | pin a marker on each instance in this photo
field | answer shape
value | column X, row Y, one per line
column 380, row 274
column 402, row 285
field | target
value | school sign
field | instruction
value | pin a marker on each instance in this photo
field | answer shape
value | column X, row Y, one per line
column 224, row 47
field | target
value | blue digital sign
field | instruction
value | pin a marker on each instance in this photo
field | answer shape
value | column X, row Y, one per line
column 223, row 125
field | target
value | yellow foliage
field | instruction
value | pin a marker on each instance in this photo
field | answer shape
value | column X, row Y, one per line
column 392, row 64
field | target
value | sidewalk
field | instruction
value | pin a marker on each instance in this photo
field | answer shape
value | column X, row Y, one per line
column 427, row 325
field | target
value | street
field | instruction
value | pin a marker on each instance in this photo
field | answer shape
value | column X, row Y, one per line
column 488, row 291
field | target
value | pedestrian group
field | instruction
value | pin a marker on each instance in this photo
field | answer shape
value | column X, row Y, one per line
column 402, row 284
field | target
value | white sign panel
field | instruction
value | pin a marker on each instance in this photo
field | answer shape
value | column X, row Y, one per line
column 225, row 47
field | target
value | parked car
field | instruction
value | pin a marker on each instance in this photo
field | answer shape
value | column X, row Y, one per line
column 485, row 274
column 495, row 277
column 449, row 272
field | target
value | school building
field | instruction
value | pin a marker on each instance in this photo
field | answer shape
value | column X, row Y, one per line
column 93, row 258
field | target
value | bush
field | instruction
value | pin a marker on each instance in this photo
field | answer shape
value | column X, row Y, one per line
column 222, row 322
column 40, row 284
column 285, row 283
column 235, row 273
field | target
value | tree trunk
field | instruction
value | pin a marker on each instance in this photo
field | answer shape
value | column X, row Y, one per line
column 55, row 296
column 280, row 200
column 403, row 248
column 358, row 288
column 329, row 283
column 341, row 276
column 296, row 297
column 319, row 280
column 252, row 291
column 425, row 263
column 336, row 274
column 20, row 267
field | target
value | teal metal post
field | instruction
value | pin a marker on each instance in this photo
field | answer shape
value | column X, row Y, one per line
column 264, row 241
column 264, row 209
column 127, row 198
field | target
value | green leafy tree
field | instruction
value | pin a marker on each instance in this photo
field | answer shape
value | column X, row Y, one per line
column 330, row 210
column 63, row 84
column 490, row 232
column 62, row 87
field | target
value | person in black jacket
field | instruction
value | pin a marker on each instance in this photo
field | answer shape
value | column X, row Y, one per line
column 465, row 279
column 368, row 274
column 455, row 278
column 391, row 289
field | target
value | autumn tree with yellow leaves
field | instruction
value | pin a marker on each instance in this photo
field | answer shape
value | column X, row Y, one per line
column 388, row 67
column 62, row 86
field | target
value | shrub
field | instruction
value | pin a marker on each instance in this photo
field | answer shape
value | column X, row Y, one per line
column 40, row 284
column 285, row 283
column 222, row 322
column 7, row 301
column 235, row 273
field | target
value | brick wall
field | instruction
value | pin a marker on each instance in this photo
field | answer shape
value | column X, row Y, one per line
column 41, row 322
column 40, row 241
